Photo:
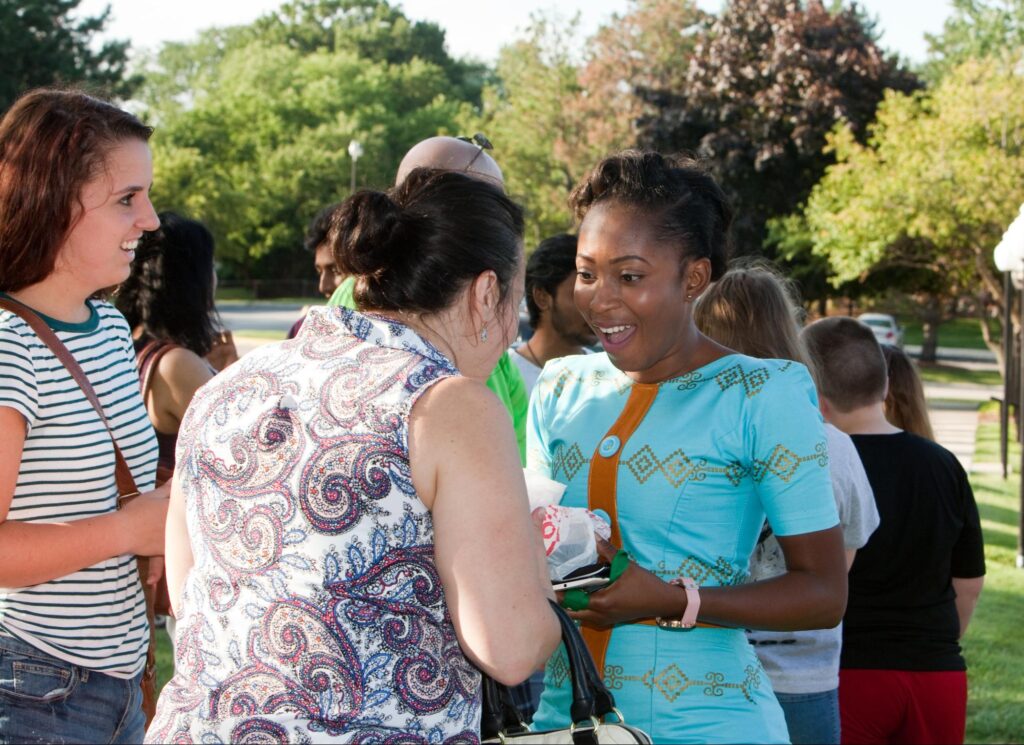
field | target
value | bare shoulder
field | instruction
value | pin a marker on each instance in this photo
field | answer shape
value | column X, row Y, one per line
column 183, row 363
column 459, row 404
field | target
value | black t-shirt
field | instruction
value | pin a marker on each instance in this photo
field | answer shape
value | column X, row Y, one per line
column 901, row 613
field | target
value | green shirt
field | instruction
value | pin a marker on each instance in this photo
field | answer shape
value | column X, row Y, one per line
column 506, row 381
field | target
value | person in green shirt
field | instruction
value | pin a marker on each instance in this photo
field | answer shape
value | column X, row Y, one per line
column 455, row 154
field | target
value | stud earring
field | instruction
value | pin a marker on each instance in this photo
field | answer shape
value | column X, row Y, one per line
column 483, row 334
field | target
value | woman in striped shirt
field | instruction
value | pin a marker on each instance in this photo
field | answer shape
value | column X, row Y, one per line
column 75, row 173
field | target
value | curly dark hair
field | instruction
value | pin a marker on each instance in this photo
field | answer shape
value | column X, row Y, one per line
column 171, row 287
column 690, row 209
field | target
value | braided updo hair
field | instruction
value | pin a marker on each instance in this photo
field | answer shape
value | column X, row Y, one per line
column 689, row 208
column 416, row 246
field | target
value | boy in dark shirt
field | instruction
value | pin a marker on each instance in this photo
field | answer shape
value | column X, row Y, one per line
column 914, row 585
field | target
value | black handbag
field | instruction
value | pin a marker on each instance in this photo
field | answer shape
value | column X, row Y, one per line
column 591, row 703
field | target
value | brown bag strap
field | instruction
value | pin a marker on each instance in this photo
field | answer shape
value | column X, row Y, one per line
column 126, row 487
column 147, row 360
column 601, row 488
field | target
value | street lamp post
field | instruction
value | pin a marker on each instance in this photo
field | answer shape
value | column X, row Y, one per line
column 355, row 151
column 1009, row 257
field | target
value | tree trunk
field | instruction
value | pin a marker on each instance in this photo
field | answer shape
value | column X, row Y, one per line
column 931, row 317
column 994, row 345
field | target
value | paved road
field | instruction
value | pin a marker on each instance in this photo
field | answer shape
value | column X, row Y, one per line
column 259, row 316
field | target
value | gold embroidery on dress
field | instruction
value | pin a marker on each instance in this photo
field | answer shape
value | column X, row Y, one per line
column 722, row 571
column 784, row 463
column 596, row 378
column 678, row 467
column 672, row 682
column 752, row 382
column 567, row 459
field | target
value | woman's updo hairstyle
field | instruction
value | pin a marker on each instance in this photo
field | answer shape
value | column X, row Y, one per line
column 691, row 210
column 415, row 247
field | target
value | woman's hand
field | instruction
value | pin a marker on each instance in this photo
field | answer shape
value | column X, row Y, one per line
column 636, row 594
column 144, row 518
column 156, row 571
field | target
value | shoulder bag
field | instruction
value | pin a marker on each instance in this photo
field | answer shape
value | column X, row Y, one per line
column 592, row 702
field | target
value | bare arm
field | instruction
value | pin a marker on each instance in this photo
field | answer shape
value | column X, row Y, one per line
column 967, row 590
column 32, row 553
column 178, row 558
column 178, row 375
column 466, row 469
column 810, row 595
column 851, row 554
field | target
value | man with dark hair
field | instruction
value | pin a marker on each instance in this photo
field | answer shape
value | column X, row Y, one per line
column 558, row 328
column 914, row 585
column 323, row 258
column 330, row 278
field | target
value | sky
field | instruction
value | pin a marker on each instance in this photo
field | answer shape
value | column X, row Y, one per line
column 479, row 28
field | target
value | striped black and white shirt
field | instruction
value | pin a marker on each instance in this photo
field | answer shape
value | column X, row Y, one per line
column 96, row 617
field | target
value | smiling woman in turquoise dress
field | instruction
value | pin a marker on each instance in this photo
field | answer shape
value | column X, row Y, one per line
column 689, row 446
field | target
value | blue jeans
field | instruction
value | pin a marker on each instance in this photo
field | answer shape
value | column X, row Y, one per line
column 811, row 717
column 46, row 700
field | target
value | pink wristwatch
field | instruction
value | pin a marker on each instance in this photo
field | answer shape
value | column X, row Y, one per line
column 689, row 619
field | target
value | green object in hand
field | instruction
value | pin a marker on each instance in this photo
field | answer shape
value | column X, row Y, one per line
column 577, row 599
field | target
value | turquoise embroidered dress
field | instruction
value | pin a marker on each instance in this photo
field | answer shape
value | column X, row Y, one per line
column 721, row 448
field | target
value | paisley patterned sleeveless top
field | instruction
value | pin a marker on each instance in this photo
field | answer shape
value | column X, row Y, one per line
column 314, row 610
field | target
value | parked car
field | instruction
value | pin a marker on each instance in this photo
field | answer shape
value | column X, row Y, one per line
column 886, row 330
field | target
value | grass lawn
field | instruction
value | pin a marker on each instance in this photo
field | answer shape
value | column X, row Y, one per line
column 964, row 333
column 945, row 374
column 992, row 646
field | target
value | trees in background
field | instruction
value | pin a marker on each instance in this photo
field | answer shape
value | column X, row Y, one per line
column 766, row 83
column 558, row 105
column 253, row 122
column 43, row 43
column 925, row 200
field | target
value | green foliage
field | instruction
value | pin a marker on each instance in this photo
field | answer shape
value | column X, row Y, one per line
column 931, row 192
column 42, row 44
column 766, row 83
column 252, row 139
column 529, row 117
column 976, row 29
column 552, row 116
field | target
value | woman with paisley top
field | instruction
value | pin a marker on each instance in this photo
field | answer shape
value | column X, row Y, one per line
column 349, row 542
column 688, row 446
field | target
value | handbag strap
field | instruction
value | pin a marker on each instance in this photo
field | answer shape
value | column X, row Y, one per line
column 147, row 359
column 601, row 488
column 126, row 487
column 590, row 696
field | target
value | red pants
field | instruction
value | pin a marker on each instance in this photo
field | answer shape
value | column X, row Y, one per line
column 902, row 706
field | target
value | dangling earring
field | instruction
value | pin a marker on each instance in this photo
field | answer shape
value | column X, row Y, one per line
column 483, row 334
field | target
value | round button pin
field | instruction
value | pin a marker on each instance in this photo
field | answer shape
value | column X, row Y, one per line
column 609, row 446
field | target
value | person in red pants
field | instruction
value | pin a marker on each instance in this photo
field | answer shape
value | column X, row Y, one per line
column 914, row 585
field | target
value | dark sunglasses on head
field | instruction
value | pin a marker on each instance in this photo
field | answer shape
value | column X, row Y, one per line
column 481, row 142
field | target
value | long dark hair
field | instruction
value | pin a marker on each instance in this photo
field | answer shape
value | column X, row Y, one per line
column 52, row 142
column 170, row 290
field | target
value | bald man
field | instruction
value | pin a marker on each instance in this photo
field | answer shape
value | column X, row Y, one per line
column 453, row 154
